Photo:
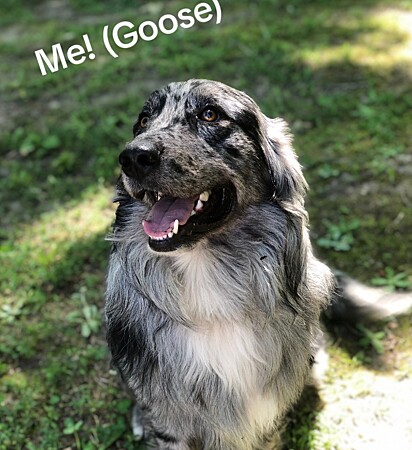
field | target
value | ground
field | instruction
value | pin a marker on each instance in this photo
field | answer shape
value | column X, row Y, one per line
column 339, row 72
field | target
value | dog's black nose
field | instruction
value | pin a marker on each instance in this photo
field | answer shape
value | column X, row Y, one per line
column 138, row 162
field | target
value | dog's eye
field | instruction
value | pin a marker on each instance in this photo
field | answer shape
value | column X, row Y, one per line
column 144, row 121
column 209, row 115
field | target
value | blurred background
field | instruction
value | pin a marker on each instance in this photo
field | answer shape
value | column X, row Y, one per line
column 339, row 72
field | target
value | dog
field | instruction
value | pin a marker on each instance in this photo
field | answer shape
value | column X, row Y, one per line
column 214, row 296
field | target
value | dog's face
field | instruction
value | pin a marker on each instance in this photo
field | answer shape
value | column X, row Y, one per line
column 201, row 153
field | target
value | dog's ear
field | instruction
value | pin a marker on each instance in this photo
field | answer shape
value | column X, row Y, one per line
column 289, row 188
column 289, row 184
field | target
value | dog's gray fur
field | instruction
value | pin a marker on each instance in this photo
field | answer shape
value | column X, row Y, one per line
column 215, row 338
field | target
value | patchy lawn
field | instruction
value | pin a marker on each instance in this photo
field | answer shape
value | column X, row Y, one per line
column 341, row 74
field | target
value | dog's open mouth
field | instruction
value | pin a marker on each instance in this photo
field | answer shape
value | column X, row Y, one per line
column 175, row 221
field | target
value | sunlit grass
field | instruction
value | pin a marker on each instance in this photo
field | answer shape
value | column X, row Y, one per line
column 31, row 260
column 385, row 42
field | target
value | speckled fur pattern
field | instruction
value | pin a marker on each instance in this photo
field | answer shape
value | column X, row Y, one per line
column 216, row 339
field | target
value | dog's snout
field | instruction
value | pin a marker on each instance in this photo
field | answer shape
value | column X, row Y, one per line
column 138, row 162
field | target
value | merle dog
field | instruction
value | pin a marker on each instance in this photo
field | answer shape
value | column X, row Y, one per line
column 213, row 295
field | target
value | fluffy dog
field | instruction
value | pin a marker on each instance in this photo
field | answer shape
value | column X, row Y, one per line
column 213, row 293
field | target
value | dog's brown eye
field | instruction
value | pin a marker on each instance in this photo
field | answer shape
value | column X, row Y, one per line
column 144, row 122
column 209, row 115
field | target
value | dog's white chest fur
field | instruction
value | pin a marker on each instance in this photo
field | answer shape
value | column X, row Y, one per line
column 206, row 295
column 222, row 342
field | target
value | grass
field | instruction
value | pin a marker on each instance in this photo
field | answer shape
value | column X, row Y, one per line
column 339, row 73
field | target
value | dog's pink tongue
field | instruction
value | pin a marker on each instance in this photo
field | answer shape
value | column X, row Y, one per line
column 165, row 212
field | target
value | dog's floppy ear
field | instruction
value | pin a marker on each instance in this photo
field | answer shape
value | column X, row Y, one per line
column 289, row 187
column 288, row 181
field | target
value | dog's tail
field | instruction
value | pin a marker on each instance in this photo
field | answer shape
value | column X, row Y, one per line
column 356, row 302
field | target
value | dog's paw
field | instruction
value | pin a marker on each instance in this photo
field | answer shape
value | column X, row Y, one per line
column 320, row 362
column 137, row 423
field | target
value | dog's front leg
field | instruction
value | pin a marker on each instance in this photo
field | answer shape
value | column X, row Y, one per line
column 167, row 444
column 143, row 431
column 137, row 423
column 271, row 441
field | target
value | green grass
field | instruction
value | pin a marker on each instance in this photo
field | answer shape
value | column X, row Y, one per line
column 340, row 75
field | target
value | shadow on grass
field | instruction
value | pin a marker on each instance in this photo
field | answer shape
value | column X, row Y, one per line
column 45, row 318
column 301, row 420
column 55, row 362
column 366, row 344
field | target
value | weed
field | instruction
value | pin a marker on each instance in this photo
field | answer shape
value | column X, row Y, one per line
column 371, row 339
column 362, row 358
column 339, row 237
column 71, row 427
column 9, row 312
column 88, row 317
column 328, row 171
column 392, row 280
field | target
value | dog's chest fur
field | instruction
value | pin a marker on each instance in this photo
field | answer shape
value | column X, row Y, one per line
column 205, row 295
column 223, row 340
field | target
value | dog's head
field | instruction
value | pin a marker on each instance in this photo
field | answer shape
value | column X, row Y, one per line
column 201, row 153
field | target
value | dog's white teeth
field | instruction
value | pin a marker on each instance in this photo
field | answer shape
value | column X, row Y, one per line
column 158, row 238
column 175, row 227
column 192, row 213
column 204, row 196
column 199, row 206
column 164, row 237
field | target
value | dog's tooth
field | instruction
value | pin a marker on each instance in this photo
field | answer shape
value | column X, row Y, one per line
column 192, row 213
column 204, row 196
column 176, row 226
column 199, row 205
column 169, row 235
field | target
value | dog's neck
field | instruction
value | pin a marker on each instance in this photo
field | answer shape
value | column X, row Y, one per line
column 206, row 290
